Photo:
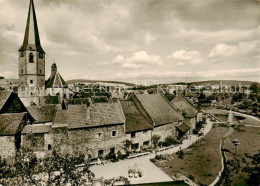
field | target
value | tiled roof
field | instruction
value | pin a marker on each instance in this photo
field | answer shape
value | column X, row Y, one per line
column 56, row 81
column 4, row 95
column 36, row 129
column 183, row 127
column 159, row 109
column 105, row 114
column 135, row 121
column 81, row 116
column 184, row 106
column 42, row 114
column 9, row 123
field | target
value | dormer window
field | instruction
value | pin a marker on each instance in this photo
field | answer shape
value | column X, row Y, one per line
column 41, row 55
column 31, row 57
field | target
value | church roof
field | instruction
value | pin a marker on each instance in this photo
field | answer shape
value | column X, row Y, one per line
column 31, row 38
column 56, row 81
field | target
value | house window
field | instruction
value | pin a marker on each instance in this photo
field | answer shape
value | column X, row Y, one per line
column 49, row 147
column 31, row 81
column 135, row 146
column 40, row 71
column 113, row 133
column 146, row 143
column 112, row 150
column 22, row 71
column 98, row 135
column 133, row 135
column 41, row 55
column 31, row 57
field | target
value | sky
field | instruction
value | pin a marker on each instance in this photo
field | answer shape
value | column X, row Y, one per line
column 139, row 41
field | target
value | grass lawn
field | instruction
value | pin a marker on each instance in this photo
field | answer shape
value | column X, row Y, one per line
column 249, row 138
column 201, row 162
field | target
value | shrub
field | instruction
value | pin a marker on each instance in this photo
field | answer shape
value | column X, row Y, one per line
column 155, row 140
column 180, row 154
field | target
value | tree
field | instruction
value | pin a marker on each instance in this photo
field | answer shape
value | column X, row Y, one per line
column 155, row 140
column 54, row 169
column 252, row 169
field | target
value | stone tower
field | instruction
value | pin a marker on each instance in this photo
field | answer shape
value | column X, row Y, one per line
column 32, row 56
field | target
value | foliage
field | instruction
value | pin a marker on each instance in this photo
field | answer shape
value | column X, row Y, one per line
column 169, row 140
column 155, row 140
column 55, row 169
column 127, row 145
column 180, row 154
column 252, row 169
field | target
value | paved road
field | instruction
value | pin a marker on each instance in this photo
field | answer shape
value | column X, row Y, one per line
column 151, row 172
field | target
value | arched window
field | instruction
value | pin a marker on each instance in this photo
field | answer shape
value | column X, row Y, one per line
column 31, row 57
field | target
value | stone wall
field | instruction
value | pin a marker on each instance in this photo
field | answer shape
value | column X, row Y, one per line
column 86, row 140
column 7, row 146
column 191, row 122
column 165, row 130
column 140, row 138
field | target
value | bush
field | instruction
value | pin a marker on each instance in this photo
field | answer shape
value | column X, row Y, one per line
column 159, row 157
column 169, row 141
column 195, row 131
column 180, row 154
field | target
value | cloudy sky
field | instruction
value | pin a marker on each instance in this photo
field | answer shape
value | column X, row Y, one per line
column 139, row 40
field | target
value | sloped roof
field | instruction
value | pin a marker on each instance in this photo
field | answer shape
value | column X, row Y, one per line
column 56, row 81
column 9, row 123
column 81, row 116
column 4, row 95
column 36, row 129
column 135, row 121
column 31, row 37
column 183, row 127
column 184, row 106
column 42, row 114
column 159, row 109
column 104, row 114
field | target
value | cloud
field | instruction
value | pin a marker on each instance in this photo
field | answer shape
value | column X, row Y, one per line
column 186, row 57
column 148, row 38
column 242, row 49
column 174, row 76
column 223, row 35
column 138, row 60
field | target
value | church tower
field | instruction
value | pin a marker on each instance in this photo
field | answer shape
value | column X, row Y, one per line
column 32, row 56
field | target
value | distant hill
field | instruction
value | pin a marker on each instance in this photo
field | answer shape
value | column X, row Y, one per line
column 224, row 82
column 95, row 81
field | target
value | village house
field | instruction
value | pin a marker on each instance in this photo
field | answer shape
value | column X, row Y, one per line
column 188, row 110
column 95, row 130
column 160, row 113
column 13, row 117
column 38, row 138
column 138, row 130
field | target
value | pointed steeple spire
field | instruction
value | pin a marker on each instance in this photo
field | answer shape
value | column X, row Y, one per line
column 31, row 37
